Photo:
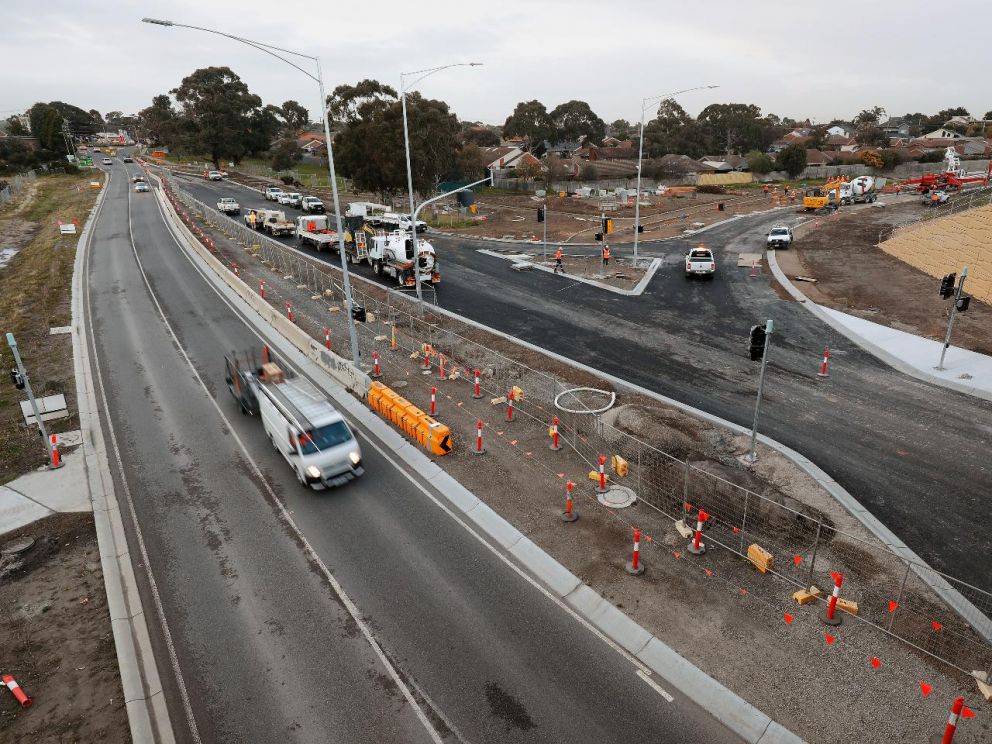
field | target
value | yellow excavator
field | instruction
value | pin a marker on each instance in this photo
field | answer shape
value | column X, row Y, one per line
column 818, row 197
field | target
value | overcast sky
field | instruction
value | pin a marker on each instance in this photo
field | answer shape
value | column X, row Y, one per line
column 821, row 60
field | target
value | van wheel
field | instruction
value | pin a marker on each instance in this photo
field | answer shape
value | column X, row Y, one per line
column 377, row 267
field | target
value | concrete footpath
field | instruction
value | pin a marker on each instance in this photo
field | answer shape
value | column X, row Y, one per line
column 964, row 371
column 45, row 492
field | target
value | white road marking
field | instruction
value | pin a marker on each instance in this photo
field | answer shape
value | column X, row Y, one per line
column 655, row 686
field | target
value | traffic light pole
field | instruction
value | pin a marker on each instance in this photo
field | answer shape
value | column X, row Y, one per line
column 12, row 342
column 950, row 322
column 545, row 259
column 752, row 456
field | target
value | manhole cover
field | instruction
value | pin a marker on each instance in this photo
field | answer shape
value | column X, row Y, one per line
column 14, row 547
column 399, row 384
column 617, row 497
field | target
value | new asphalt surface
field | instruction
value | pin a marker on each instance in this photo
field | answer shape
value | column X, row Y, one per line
column 262, row 646
column 914, row 454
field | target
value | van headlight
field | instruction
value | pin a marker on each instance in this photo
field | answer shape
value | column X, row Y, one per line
column 313, row 471
column 355, row 458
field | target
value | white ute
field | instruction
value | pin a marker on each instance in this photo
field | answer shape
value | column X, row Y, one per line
column 779, row 236
column 272, row 193
column 300, row 422
column 228, row 205
column 699, row 261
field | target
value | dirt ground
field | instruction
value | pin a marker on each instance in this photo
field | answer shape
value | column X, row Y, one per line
column 740, row 626
column 56, row 638
column 854, row 276
column 35, row 295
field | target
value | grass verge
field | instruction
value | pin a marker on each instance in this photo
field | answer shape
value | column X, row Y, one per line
column 35, row 295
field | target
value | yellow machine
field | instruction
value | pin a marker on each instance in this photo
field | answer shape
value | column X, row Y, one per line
column 819, row 197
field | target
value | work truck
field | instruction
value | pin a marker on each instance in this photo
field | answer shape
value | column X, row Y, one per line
column 699, row 261
column 299, row 420
column 272, row 221
column 315, row 231
column 393, row 254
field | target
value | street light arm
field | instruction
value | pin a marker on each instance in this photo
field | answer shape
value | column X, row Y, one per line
column 488, row 179
column 651, row 99
column 267, row 48
column 430, row 71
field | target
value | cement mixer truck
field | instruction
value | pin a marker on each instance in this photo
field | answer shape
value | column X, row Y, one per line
column 393, row 254
column 861, row 190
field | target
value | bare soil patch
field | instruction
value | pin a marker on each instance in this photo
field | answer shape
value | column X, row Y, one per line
column 57, row 639
column 854, row 276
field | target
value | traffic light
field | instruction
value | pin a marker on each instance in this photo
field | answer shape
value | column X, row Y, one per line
column 963, row 302
column 947, row 285
column 640, row 228
column 607, row 225
column 756, row 343
column 540, row 214
column 17, row 378
column 599, row 237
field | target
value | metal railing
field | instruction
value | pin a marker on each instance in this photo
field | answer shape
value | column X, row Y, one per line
column 961, row 202
column 896, row 596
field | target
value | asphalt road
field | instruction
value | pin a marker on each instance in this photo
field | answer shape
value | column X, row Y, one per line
column 914, row 454
column 266, row 651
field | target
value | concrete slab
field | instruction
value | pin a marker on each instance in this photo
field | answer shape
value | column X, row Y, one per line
column 611, row 621
column 495, row 526
column 455, row 492
column 61, row 490
column 557, row 578
column 16, row 510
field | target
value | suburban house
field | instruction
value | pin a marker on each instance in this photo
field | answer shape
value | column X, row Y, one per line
column 681, row 164
column 818, row 157
column 724, row 163
column 840, row 143
column 563, row 149
column 960, row 121
column 896, row 127
column 942, row 133
column 838, row 131
column 606, row 153
column 507, row 158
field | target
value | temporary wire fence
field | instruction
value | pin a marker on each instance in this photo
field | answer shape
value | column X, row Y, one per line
column 960, row 202
column 15, row 186
column 895, row 595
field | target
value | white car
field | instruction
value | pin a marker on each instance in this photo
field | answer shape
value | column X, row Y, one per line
column 215, row 175
column 140, row 186
column 283, row 197
column 779, row 237
column 312, row 204
column 295, row 200
column 700, row 262
column 272, row 193
column 229, row 205
column 108, row 161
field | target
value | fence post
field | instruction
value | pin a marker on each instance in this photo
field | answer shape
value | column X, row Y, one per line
column 812, row 560
column 902, row 587
column 685, row 493
column 747, row 497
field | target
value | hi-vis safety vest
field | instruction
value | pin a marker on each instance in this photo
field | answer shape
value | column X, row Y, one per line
column 558, row 255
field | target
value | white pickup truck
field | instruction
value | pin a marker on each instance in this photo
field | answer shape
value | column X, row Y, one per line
column 779, row 236
column 228, row 205
column 272, row 193
column 312, row 204
column 315, row 231
column 699, row 261
column 272, row 221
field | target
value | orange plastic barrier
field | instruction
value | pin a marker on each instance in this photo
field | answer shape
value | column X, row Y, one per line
column 430, row 434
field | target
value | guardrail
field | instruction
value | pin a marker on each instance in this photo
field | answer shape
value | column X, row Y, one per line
column 895, row 595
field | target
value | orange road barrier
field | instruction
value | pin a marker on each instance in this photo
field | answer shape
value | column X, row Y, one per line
column 434, row 436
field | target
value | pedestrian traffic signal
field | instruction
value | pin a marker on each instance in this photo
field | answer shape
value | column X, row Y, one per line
column 599, row 236
column 540, row 214
column 607, row 226
column 947, row 285
column 17, row 378
column 963, row 302
column 756, row 343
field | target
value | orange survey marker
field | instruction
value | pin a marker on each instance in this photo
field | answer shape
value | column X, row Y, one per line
column 430, row 434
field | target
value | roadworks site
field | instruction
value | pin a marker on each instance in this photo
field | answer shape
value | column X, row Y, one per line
column 888, row 672
column 56, row 638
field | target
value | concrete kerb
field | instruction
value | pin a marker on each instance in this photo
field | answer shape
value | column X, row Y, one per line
column 731, row 710
column 636, row 291
column 148, row 716
column 873, row 349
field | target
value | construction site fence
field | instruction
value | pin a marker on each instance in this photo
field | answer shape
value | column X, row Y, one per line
column 959, row 202
column 16, row 185
column 895, row 595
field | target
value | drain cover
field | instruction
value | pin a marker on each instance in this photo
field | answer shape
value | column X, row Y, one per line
column 14, row 547
column 399, row 384
column 617, row 497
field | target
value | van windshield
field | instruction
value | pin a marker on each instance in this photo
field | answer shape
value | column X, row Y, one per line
column 324, row 437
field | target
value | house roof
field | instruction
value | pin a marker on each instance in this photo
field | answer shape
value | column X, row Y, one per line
column 502, row 156
column 685, row 164
column 816, row 157
column 563, row 146
column 838, row 140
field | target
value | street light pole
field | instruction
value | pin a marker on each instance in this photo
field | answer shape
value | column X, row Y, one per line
column 640, row 155
column 271, row 50
column 409, row 169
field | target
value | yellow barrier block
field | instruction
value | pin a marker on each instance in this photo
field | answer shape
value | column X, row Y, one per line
column 425, row 430
column 804, row 596
column 848, row 605
column 594, row 476
column 761, row 558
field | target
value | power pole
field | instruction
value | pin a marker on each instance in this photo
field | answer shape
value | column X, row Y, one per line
column 20, row 377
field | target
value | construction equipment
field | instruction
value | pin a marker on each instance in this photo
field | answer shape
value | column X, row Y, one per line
column 393, row 254
column 953, row 178
column 820, row 197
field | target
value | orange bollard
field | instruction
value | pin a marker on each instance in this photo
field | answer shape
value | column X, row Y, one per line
column 16, row 691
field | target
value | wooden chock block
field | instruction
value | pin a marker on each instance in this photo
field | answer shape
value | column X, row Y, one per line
column 760, row 558
column 982, row 680
column 847, row 605
column 518, row 393
column 594, row 476
column 804, row 597
column 499, row 400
